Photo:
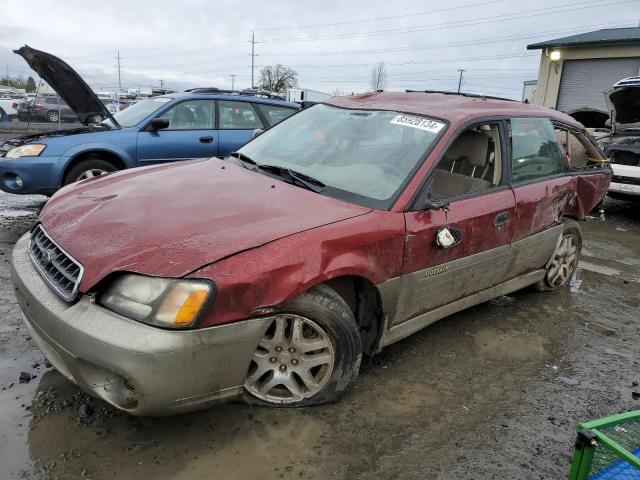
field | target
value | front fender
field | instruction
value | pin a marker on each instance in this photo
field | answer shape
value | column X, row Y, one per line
column 127, row 157
column 262, row 279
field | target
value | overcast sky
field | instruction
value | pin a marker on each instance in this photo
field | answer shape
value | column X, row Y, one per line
column 331, row 44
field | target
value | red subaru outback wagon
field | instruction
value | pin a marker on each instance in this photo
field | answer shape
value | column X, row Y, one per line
column 341, row 230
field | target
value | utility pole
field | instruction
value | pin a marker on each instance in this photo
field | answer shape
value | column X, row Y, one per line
column 460, row 80
column 119, row 76
column 253, row 54
column 233, row 80
column 8, row 81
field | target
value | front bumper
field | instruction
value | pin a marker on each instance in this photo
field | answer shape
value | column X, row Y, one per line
column 626, row 180
column 40, row 175
column 135, row 367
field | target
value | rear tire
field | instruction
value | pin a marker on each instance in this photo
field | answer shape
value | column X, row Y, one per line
column 91, row 167
column 564, row 262
column 314, row 365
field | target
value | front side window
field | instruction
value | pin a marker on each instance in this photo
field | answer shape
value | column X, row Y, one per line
column 191, row 115
column 472, row 163
column 238, row 116
column 275, row 114
column 366, row 153
column 535, row 151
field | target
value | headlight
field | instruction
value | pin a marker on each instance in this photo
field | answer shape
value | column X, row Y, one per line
column 157, row 301
column 30, row 150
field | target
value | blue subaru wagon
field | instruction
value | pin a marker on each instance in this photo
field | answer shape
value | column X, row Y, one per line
column 199, row 123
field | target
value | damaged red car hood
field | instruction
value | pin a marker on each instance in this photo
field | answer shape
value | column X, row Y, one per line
column 172, row 219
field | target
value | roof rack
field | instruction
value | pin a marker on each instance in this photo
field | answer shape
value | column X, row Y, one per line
column 247, row 91
column 462, row 94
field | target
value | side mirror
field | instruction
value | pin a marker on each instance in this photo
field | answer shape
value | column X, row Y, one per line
column 159, row 124
column 256, row 133
column 435, row 205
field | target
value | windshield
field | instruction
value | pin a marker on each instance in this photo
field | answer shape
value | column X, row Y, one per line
column 139, row 111
column 366, row 153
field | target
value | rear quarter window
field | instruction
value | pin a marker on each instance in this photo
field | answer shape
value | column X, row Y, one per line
column 535, row 152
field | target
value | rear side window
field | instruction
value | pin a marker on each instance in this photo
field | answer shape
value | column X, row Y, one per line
column 275, row 114
column 535, row 152
column 52, row 100
column 238, row 116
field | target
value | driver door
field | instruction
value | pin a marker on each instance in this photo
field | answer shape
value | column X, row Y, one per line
column 191, row 134
column 470, row 181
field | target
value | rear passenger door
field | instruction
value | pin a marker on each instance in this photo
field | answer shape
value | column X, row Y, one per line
column 469, row 180
column 236, row 122
column 541, row 187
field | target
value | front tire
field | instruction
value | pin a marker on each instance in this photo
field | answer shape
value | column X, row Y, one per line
column 564, row 262
column 309, row 355
column 89, row 168
column 53, row 116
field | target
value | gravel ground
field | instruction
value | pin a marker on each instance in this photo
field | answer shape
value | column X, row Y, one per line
column 492, row 392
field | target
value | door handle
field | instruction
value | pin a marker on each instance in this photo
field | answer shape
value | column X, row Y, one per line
column 206, row 139
column 501, row 219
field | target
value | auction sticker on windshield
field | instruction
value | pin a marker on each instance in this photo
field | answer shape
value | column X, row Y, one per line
column 417, row 122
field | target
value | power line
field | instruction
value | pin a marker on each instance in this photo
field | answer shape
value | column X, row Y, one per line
column 567, row 7
column 421, row 62
column 377, row 19
column 447, row 45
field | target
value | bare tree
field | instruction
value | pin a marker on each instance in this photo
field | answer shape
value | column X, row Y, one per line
column 337, row 92
column 278, row 79
column 379, row 77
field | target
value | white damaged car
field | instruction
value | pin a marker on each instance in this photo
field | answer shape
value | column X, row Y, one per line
column 622, row 145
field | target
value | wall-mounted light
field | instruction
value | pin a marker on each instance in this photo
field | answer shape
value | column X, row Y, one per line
column 554, row 55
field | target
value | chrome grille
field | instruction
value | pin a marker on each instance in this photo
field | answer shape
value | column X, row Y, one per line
column 60, row 270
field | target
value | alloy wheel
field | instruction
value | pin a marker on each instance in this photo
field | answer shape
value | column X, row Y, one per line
column 294, row 360
column 564, row 261
column 94, row 172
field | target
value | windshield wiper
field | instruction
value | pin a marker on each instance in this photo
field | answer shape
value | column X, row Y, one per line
column 294, row 177
column 244, row 159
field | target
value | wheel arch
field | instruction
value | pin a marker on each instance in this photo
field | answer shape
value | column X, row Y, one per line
column 364, row 301
column 103, row 154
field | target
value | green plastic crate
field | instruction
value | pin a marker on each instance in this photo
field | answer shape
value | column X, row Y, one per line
column 608, row 449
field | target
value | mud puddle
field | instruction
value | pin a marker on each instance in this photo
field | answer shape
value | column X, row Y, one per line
column 492, row 392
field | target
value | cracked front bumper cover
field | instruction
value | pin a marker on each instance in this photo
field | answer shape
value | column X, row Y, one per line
column 135, row 367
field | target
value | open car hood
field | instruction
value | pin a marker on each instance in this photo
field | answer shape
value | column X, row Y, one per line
column 624, row 104
column 67, row 83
